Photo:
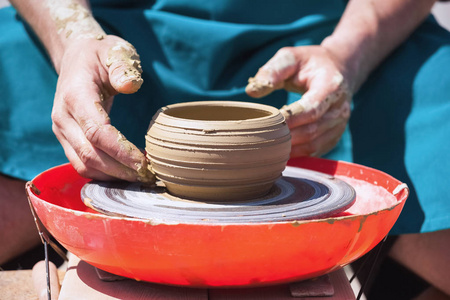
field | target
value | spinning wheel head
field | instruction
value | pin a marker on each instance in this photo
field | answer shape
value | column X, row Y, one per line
column 300, row 194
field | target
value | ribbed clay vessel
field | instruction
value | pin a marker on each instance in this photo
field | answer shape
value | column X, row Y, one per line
column 218, row 151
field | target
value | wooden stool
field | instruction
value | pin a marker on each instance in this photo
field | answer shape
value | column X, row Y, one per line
column 82, row 281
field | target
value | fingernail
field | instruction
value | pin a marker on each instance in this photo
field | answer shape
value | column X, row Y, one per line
column 128, row 67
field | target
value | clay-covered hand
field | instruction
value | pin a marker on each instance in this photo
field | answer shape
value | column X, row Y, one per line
column 318, row 119
column 91, row 72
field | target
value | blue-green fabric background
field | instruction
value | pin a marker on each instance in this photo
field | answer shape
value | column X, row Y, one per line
column 205, row 50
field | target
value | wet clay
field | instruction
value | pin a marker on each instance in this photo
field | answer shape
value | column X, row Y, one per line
column 284, row 62
column 74, row 20
column 144, row 173
column 259, row 87
column 218, row 150
column 309, row 101
column 263, row 83
column 124, row 56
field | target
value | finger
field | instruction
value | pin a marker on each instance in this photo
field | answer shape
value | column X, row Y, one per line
column 108, row 139
column 76, row 162
column 272, row 75
column 91, row 162
column 321, row 145
column 324, row 92
column 124, row 67
column 308, row 132
column 97, row 143
column 88, row 171
column 121, row 155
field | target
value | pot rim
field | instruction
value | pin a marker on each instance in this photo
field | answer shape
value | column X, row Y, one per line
column 273, row 112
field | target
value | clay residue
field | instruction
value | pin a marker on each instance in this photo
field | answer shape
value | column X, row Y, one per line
column 126, row 144
column 292, row 109
column 74, row 20
column 342, row 89
column 88, row 203
column 370, row 198
column 124, row 56
column 144, row 173
column 263, row 83
column 282, row 60
column 311, row 101
column 259, row 86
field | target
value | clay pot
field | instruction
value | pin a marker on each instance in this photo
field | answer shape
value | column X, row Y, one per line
column 218, row 150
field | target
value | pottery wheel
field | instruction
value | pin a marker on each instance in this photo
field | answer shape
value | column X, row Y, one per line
column 298, row 195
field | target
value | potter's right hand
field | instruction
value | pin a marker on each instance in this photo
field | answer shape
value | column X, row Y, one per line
column 92, row 71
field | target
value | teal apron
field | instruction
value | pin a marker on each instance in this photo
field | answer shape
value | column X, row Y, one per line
column 206, row 50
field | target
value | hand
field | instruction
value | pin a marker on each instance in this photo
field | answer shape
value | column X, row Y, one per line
column 91, row 72
column 318, row 119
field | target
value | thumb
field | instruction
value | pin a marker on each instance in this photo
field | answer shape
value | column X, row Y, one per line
column 273, row 74
column 124, row 68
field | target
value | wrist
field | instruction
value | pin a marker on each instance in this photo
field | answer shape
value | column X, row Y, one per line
column 73, row 21
column 351, row 58
column 352, row 55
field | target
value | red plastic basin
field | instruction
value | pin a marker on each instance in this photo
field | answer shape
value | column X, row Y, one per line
column 212, row 255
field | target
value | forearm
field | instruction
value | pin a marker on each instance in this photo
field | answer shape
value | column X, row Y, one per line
column 370, row 30
column 58, row 23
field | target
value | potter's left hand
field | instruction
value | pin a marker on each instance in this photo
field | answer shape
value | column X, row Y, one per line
column 319, row 118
